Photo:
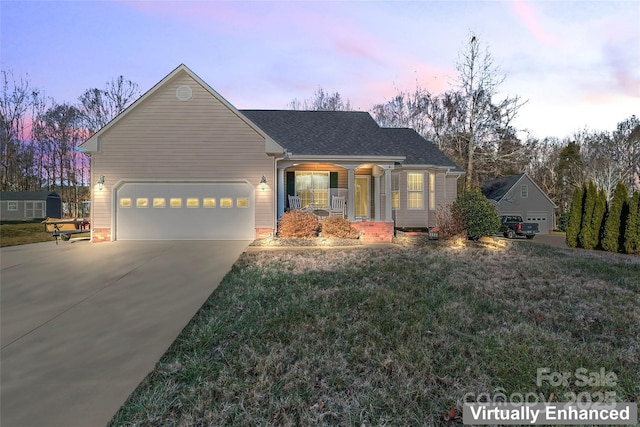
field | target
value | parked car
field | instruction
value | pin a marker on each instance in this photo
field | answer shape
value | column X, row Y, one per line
column 513, row 226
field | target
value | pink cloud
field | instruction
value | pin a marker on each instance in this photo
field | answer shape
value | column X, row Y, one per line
column 528, row 17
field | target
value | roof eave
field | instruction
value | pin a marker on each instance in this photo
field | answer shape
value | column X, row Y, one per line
column 331, row 158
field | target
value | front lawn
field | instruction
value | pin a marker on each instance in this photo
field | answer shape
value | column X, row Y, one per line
column 20, row 234
column 394, row 336
column 28, row 232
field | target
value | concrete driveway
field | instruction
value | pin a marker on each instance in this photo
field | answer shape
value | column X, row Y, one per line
column 83, row 323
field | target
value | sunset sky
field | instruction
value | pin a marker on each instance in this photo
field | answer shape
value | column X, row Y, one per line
column 577, row 63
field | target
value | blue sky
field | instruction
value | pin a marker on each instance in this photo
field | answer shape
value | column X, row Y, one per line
column 577, row 63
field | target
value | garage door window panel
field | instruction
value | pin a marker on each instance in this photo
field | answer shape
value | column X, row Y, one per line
column 193, row 202
column 226, row 202
column 142, row 202
column 176, row 202
column 159, row 202
column 242, row 202
column 125, row 202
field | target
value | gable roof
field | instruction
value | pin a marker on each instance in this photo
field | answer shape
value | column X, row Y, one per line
column 91, row 144
column 498, row 188
column 25, row 195
column 495, row 190
column 345, row 133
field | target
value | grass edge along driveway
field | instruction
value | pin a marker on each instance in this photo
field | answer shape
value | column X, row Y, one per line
column 394, row 336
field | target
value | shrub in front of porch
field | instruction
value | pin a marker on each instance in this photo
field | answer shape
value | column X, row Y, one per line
column 298, row 224
column 338, row 227
column 479, row 216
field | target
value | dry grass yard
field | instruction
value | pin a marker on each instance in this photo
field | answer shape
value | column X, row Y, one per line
column 394, row 336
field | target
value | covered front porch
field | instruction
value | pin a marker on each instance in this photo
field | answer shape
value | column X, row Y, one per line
column 364, row 184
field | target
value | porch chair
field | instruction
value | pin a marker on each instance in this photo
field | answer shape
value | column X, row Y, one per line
column 337, row 206
column 294, row 203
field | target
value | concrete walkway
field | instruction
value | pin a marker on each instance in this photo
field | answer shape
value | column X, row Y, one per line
column 83, row 324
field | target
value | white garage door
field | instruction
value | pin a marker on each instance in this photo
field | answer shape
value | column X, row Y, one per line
column 185, row 211
column 542, row 218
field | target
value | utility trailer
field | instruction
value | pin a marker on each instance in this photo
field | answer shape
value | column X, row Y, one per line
column 64, row 228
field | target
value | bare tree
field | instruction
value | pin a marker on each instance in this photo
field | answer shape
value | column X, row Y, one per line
column 58, row 131
column 322, row 101
column 100, row 106
column 486, row 121
column 15, row 101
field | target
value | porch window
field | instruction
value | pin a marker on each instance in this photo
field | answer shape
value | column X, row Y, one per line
column 415, row 188
column 395, row 191
column 313, row 188
column 432, row 191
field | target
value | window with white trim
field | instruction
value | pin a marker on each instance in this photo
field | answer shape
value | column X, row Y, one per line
column 313, row 188
column 432, row 191
column 395, row 191
column 12, row 205
column 415, row 190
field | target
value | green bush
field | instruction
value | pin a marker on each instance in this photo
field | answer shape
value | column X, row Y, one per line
column 632, row 228
column 336, row 226
column 563, row 220
column 575, row 216
column 298, row 224
column 479, row 216
column 614, row 226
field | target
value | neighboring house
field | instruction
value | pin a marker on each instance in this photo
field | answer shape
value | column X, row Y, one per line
column 520, row 195
column 24, row 205
column 183, row 163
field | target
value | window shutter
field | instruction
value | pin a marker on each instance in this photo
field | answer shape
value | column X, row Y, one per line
column 291, row 186
column 333, row 179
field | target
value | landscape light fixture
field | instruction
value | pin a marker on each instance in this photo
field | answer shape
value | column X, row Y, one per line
column 101, row 183
column 263, row 183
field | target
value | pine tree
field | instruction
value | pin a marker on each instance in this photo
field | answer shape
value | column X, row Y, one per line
column 599, row 214
column 632, row 229
column 575, row 216
column 588, row 236
column 614, row 226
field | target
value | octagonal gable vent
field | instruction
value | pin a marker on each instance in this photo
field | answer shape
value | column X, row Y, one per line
column 184, row 93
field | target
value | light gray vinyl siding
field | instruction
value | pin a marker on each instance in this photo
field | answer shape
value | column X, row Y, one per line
column 536, row 203
column 164, row 138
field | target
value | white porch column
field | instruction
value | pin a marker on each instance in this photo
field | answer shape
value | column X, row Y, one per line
column 280, row 200
column 376, row 197
column 387, row 192
column 351, row 194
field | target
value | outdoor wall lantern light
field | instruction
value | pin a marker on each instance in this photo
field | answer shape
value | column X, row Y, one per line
column 263, row 183
column 101, row 183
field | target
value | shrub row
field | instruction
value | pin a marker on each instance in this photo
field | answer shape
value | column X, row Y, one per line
column 301, row 224
column 596, row 224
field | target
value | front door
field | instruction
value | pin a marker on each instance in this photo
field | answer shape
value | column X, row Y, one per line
column 362, row 202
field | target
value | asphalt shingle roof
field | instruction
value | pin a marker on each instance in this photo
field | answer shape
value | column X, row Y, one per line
column 496, row 189
column 344, row 133
column 24, row 195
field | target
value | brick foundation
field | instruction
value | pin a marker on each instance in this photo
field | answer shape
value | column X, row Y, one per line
column 263, row 233
column 374, row 232
column 101, row 235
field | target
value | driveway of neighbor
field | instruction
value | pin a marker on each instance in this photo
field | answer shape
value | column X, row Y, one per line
column 83, row 323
